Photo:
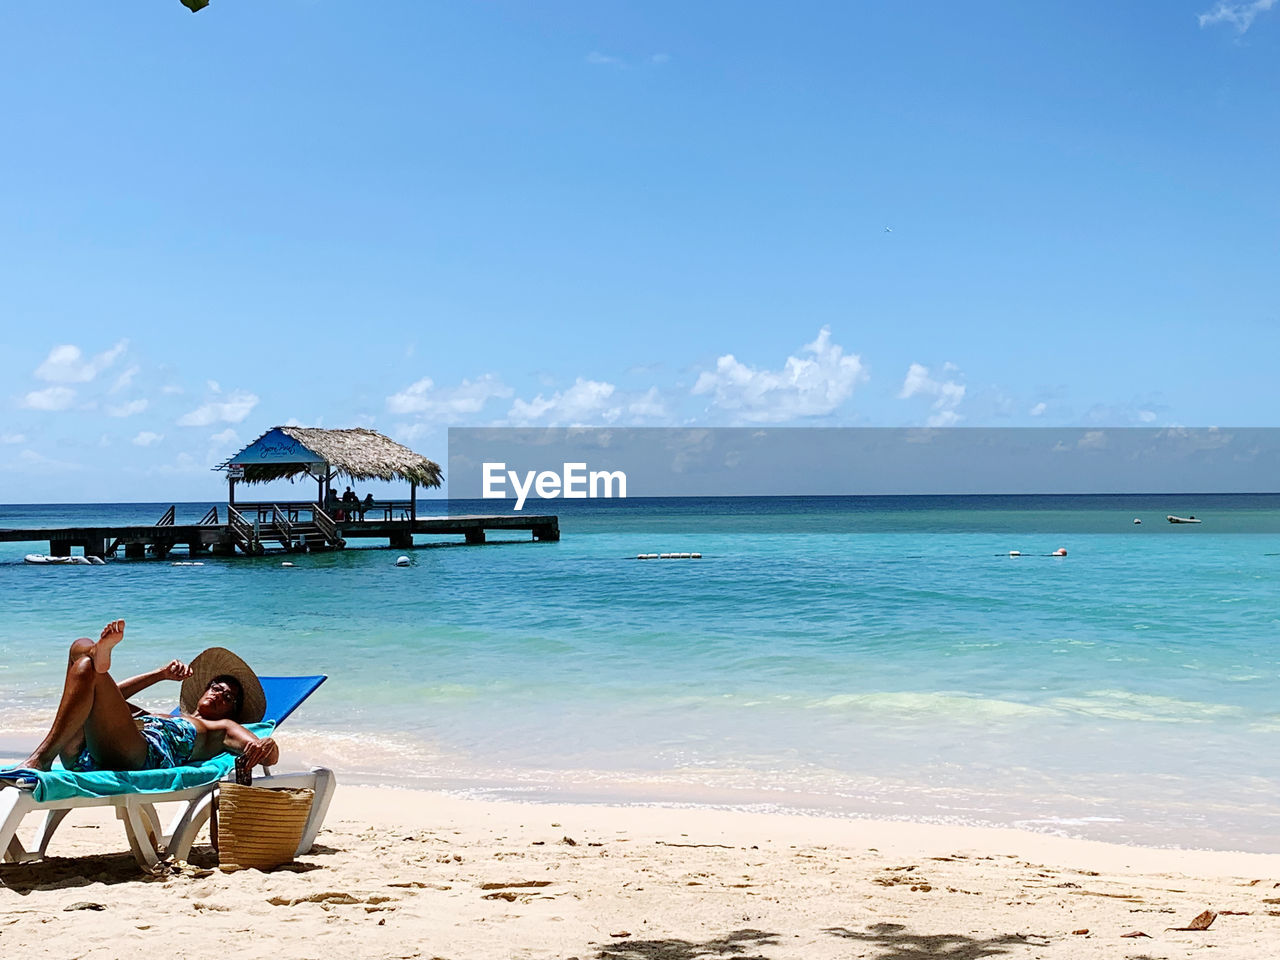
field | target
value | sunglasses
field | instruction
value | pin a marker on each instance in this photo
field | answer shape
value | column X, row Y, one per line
column 223, row 690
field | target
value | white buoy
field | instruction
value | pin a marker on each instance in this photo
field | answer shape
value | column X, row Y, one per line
column 286, row 564
column 402, row 561
column 1136, row 520
column 695, row 556
column 1015, row 553
column 646, row 556
column 1060, row 552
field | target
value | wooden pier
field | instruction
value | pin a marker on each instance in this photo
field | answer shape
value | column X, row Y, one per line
column 254, row 529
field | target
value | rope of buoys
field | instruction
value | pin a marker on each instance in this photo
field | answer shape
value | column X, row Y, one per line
column 668, row 556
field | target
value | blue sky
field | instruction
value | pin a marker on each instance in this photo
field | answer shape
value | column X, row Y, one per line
column 412, row 215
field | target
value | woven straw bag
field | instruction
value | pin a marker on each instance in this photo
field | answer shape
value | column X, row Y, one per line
column 258, row 827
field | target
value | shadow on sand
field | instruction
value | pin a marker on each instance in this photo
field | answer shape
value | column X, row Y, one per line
column 67, row 873
column 735, row 945
column 898, row 944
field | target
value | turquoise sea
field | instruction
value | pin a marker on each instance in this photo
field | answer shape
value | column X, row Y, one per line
column 874, row 656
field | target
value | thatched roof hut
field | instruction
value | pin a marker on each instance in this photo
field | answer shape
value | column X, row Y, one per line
column 358, row 453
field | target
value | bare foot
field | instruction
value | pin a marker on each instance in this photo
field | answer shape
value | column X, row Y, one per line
column 36, row 762
column 112, row 634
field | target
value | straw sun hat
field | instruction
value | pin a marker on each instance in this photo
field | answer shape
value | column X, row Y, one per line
column 217, row 662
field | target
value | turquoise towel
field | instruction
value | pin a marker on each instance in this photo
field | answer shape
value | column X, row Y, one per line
column 62, row 784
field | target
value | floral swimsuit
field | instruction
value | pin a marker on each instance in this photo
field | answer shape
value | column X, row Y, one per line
column 170, row 743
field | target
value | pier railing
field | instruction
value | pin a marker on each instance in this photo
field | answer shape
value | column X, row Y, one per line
column 384, row 510
column 210, row 518
column 302, row 511
column 168, row 518
column 324, row 523
column 281, row 526
column 242, row 532
column 291, row 510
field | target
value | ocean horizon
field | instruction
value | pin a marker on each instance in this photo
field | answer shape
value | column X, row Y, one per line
column 870, row 656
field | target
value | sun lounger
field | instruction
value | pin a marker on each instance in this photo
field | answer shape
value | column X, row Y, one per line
column 134, row 794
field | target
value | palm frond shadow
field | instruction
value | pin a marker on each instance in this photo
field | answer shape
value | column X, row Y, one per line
column 898, row 943
column 732, row 945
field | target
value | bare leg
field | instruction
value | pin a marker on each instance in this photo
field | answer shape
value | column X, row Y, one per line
column 112, row 634
column 92, row 709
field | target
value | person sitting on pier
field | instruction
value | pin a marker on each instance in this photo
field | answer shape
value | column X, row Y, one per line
column 366, row 504
column 95, row 727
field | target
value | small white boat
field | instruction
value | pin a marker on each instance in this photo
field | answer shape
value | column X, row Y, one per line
column 1172, row 519
column 41, row 558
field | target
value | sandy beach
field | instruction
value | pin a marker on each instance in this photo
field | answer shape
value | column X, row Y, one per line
column 404, row 874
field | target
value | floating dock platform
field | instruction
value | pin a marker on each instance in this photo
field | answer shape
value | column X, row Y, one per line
column 254, row 529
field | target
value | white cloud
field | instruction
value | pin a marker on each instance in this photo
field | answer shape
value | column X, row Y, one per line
column 222, row 444
column 48, row 463
column 806, row 386
column 1239, row 15
column 658, row 59
column 183, row 464
column 233, row 409
column 603, row 60
column 50, row 398
column 586, row 402
column 946, row 394
column 124, row 379
column 146, row 438
column 1038, row 409
column 448, row 404
column 66, row 363
column 13, row 438
column 127, row 409
column 410, row 432
column 171, row 389
column 650, row 405
column 225, row 438
column 1140, row 411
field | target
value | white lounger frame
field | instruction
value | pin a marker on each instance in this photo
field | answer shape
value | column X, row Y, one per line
column 142, row 823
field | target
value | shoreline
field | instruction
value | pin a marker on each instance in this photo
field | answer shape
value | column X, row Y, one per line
column 901, row 801
column 410, row 873
column 392, row 805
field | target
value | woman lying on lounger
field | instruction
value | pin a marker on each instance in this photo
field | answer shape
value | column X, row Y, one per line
column 97, row 729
